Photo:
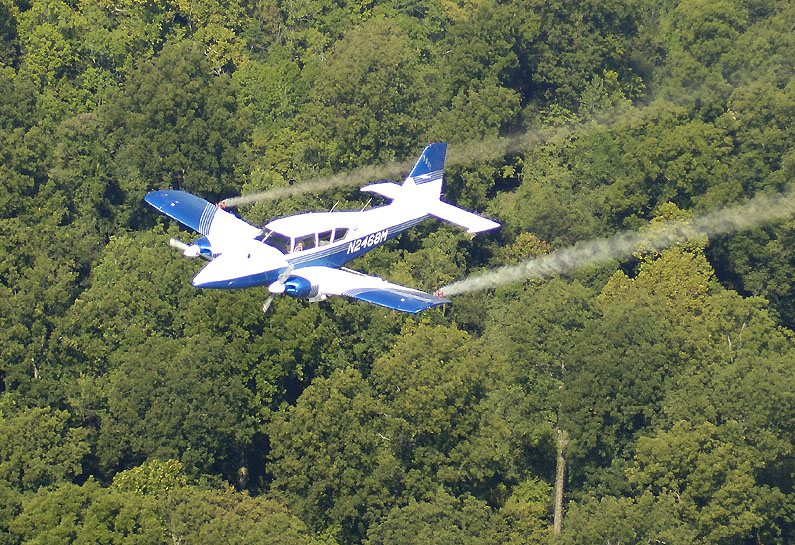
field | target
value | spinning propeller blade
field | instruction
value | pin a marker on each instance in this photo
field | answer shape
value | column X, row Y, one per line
column 278, row 286
column 267, row 304
column 178, row 244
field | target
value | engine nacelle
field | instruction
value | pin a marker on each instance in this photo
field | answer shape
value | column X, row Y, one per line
column 204, row 246
column 299, row 287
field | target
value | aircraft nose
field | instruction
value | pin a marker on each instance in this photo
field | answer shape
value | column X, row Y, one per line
column 217, row 274
column 252, row 265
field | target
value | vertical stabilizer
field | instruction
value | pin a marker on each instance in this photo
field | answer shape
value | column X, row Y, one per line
column 422, row 191
column 425, row 179
column 430, row 165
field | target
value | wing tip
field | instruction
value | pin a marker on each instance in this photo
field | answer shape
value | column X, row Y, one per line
column 487, row 225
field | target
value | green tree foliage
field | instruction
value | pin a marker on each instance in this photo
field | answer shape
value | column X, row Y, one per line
column 429, row 418
column 614, row 385
column 41, row 268
column 329, row 457
column 40, row 448
column 711, row 475
column 485, row 51
column 20, row 168
column 526, row 512
column 82, row 179
column 441, row 519
column 440, row 422
column 431, row 259
column 131, row 298
column 370, row 97
column 10, row 503
column 187, row 514
column 756, row 261
column 703, row 32
column 47, row 34
column 133, row 403
column 641, row 519
column 151, row 478
column 272, row 93
column 59, row 515
column 175, row 110
column 477, row 113
column 166, row 401
column 9, row 38
column 535, row 332
column 536, row 343
column 546, row 203
column 194, row 515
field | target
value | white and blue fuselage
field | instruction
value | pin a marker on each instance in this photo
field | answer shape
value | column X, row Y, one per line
column 315, row 239
column 301, row 255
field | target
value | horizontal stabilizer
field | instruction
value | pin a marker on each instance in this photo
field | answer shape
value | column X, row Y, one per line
column 469, row 221
column 387, row 189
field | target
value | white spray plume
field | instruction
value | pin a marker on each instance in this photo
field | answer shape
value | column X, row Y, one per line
column 479, row 150
column 466, row 152
column 761, row 209
column 355, row 177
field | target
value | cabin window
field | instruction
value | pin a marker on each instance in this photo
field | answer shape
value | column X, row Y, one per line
column 274, row 239
column 304, row 243
column 341, row 233
column 324, row 238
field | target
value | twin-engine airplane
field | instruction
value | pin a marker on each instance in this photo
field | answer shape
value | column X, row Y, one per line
column 303, row 255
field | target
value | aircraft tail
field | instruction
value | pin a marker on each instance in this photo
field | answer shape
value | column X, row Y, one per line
column 428, row 170
column 422, row 191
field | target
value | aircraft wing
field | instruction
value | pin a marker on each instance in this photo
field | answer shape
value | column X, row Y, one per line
column 200, row 215
column 372, row 289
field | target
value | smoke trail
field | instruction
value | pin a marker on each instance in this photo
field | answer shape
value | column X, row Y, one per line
column 491, row 148
column 761, row 209
column 358, row 176
column 481, row 150
column 485, row 149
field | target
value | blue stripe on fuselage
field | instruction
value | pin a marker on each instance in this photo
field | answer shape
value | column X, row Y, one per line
column 338, row 253
column 334, row 255
column 260, row 279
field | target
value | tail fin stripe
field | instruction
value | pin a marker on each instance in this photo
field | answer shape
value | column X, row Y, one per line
column 431, row 160
column 429, row 177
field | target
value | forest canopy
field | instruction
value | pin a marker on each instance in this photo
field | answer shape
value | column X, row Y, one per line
column 135, row 408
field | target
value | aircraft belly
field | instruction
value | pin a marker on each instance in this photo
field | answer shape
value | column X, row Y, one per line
column 251, row 281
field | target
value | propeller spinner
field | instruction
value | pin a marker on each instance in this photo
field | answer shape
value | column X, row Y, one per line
column 277, row 287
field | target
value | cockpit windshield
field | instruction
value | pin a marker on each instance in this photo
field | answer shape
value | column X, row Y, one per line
column 278, row 241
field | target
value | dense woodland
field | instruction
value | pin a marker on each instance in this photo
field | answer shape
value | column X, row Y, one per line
column 137, row 409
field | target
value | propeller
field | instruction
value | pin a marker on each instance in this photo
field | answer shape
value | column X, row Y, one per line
column 188, row 250
column 178, row 244
column 277, row 287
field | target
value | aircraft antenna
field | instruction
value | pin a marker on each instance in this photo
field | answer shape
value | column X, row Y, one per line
column 366, row 204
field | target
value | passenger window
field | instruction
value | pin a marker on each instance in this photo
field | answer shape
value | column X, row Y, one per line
column 341, row 233
column 304, row 243
column 324, row 238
